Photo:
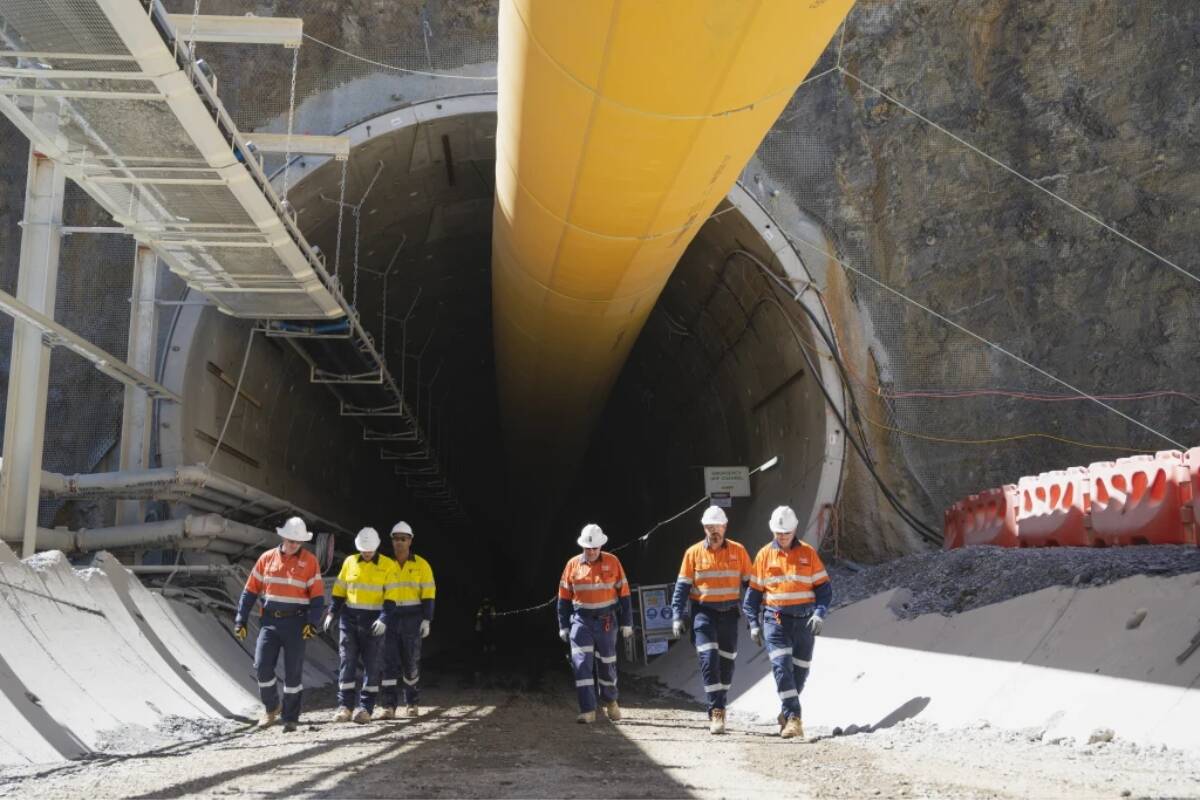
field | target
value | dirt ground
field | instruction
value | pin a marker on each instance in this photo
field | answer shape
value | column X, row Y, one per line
column 515, row 736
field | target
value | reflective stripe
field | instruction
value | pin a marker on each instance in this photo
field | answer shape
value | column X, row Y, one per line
column 789, row 693
column 263, row 685
column 389, row 682
column 787, row 578
column 731, row 656
column 587, row 587
column 282, row 598
column 590, row 606
column 800, row 663
column 363, row 587
column 588, row 682
column 716, row 595
column 349, row 685
column 774, row 654
column 704, row 648
column 371, row 689
column 365, row 606
column 256, row 575
column 293, row 689
column 606, row 683
column 578, row 651
column 714, row 687
column 413, row 682
column 407, row 585
column 338, row 583
column 407, row 603
column 819, row 575
column 717, row 573
column 286, row 581
column 727, row 686
column 607, row 659
column 428, row 585
column 789, row 596
column 682, row 579
column 564, row 584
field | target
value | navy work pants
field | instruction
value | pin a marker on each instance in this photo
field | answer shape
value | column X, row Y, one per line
column 402, row 660
column 715, row 635
column 594, row 645
column 790, row 647
column 355, row 643
column 280, row 633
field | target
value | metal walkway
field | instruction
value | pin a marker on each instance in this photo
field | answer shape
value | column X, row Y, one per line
column 111, row 91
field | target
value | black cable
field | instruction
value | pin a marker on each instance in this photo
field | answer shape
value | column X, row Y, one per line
column 860, row 447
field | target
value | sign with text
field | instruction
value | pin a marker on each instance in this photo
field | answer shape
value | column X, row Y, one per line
column 733, row 481
column 656, row 610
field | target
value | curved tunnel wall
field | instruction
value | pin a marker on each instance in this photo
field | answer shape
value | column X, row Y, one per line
column 728, row 393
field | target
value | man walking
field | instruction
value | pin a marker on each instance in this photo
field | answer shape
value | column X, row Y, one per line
column 288, row 580
column 791, row 589
column 713, row 573
column 593, row 597
column 415, row 593
column 364, row 597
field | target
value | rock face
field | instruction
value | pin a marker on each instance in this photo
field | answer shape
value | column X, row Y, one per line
column 1095, row 102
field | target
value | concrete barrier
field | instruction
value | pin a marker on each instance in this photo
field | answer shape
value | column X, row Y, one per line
column 1062, row 662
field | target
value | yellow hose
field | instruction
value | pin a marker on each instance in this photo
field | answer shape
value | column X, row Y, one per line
column 621, row 125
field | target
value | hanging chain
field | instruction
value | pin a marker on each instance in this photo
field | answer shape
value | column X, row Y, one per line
column 337, row 257
column 287, row 156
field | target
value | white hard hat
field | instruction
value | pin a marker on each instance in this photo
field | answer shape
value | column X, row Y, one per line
column 591, row 536
column 402, row 527
column 783, row 519
column 714, row 515
column 367, row 540
column 295, row 530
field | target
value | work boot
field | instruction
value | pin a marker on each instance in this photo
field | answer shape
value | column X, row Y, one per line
column 586, row 717
column 782, row 720
column 361, row 716
column 412, row 711
column 289, row 726
column 792, row 729
column 385, row 712
column 268, row 717
column 342, row 715
column 716, row 721
column 612, row 711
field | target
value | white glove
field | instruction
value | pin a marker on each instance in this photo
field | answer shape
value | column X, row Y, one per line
column 678, row 628
column 327, row 623
column 563, row 633
column 627, row 631
column 378, row 627
column 756, row 636
column 424, row 628
column 814, row 624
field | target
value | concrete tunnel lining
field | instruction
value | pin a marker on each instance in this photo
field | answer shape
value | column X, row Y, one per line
column 435, row 231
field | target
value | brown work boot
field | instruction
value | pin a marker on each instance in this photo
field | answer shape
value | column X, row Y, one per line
column 586, row 717
column 792, row 729
column 716, row 722
column 268, row 717
column 612, row 711
column 361, row 716
column 412, row 711
column 385, row 712
column 342, row 715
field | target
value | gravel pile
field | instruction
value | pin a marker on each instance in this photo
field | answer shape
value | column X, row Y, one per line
column 958, row 580
column 170, row 730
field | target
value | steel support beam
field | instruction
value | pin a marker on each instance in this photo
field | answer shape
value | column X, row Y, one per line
column 286, row 31
column 29, row 369
column 138, row 412
column 302, row 144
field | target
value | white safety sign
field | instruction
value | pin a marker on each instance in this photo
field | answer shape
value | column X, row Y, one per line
column 733, row 481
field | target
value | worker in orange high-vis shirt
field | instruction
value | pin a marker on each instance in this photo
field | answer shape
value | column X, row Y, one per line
column 790, row 590
column 287, row 578
column 593, row 600
column 712, row 576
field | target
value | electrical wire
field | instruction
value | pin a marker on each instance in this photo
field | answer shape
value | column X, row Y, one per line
column 237, row 392
column 393, row 67
column 1002, row 439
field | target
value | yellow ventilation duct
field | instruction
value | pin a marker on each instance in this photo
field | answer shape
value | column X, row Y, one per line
column 621, row 125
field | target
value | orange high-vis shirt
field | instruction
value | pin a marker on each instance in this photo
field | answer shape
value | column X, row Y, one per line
column 593, row 586
column 788, row 577
column 715, row 576
column 292, row 580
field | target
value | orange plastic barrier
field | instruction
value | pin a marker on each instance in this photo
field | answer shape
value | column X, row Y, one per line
column 990, row 517
column 1140, row 500
column 952, row 526
column 1053, row 509
column 1191, row 499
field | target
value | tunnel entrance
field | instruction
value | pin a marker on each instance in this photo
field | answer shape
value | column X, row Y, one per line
column 723, row 372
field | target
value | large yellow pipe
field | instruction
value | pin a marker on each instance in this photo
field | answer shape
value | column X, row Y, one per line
column 621, row 125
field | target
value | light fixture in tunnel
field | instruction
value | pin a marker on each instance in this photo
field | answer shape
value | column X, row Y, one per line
column 766, row 465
